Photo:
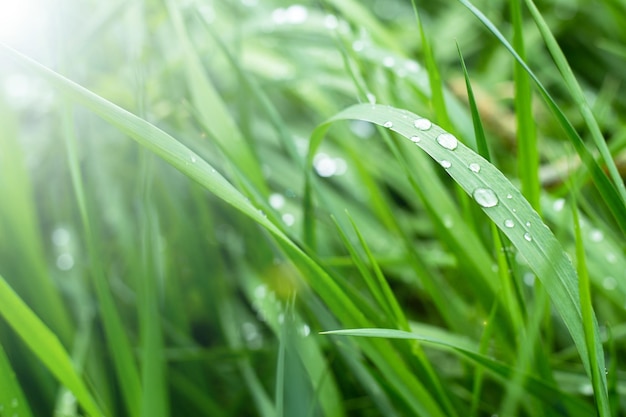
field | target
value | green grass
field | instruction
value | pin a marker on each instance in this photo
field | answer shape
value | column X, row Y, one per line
column 279, row 237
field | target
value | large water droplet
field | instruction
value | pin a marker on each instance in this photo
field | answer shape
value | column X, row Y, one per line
column 596, row 235
column 305, row 330
column 289, row 219
column 528, row 237
column 509, row 223
column 529, row 279
column 60, row 236
column 474, row 167
column 485, row 197
column 423, row 124
column 65, row 261
column 446, row 164
column 415, row 139
column 389, row 61
column 611, row 258
column 260, row 291
column 324, row 165
column 558, row 204
column 277, row 200
column 388, row 124
column 609, row 283
column 331, row 22
column 448, row 141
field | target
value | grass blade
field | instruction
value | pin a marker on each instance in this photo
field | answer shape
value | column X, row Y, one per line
column 528, row 155
column 502, row 202
column 579, row 97
column 610, row 194
column 596, row 357
column 45, row 345
column 537, row 387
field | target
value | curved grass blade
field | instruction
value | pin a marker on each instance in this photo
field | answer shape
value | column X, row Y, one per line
column 404, row 382
column 45, row 345
column 535, row 386
column 610, row 194
column 501, row 201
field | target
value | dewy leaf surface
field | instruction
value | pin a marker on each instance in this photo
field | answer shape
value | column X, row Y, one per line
column 498, row 198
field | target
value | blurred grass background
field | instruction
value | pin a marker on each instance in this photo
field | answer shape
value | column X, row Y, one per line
column 170, row 302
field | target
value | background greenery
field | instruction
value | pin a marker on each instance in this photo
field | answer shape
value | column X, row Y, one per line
column 190, row 271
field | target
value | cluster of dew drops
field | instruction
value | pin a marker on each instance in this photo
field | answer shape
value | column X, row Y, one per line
column 485, row 197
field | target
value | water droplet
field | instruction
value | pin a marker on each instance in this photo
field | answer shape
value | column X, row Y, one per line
column 324, row 165
column 60, row 236
column 558, row 204
column 509, row 196
column 448, row 141
column 331, row 22
column 296, row 14
column 609, row 283
column 289, row 219
column 277, row 200
column 528, row 237
column 509, row 223
column 596, row 235
column 445, row 164
column 65, row 261
column 389, row 61
column 423, row 124
column 260, row 291
column 305, row 330
column 474, row 167
column 252, row 335
column 586, row 389
column 411, row 66
column 527, row 224
column 388, row 124
column 485, row 197
column 611, row 258
column 529, row 279
column 415, row 139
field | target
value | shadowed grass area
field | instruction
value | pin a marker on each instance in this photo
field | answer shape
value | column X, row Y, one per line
column 322, row 210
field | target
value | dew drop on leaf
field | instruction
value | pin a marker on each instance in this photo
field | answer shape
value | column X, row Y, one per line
column 509, row 223
column 474, row 167
column 415, row 139
column 423, row 124
column 388, row 124
column 446, row 164
column 485, row 197
column 448, row 141
column 528, row 237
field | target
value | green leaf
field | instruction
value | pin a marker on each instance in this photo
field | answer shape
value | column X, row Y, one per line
column 535, row 386
column 501, row 201
column 45, row 345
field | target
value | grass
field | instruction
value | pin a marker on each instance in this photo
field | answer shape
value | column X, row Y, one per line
column 311, row 217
